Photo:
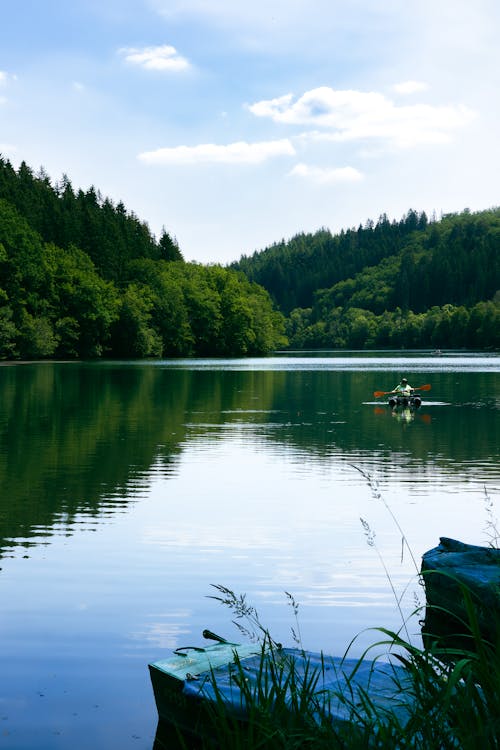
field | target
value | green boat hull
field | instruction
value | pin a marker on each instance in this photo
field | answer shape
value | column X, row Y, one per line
column 169, row 678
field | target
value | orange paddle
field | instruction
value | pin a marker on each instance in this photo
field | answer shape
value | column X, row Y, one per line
column 426, row 387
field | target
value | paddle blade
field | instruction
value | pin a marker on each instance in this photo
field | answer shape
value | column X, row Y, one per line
column 426, row 387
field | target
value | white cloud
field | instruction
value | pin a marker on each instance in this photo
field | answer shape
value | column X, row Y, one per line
column 273, row 108
column 323, row 175
column 232, row 153
column 347, row 115
column 410, row 87
column 163, row 58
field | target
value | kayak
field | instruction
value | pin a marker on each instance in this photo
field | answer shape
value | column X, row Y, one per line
column 413, row 402
column 192, row 681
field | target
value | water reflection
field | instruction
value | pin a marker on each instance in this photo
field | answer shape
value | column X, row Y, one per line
column 89, row 438
column 169, row 737
column 130, row 488
column 404, row 415
column 349, row 361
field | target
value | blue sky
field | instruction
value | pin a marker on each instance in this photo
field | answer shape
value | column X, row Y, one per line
column 235, row 125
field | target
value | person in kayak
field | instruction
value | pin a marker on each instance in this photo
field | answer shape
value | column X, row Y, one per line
column 403, row 388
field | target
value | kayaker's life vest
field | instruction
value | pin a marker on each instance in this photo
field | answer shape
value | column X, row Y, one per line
column 405, row 390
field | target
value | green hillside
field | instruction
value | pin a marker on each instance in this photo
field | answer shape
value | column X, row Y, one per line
column 81, row 277
column 414, row 283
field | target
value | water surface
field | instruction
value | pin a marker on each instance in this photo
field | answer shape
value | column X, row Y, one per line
column 129, row 488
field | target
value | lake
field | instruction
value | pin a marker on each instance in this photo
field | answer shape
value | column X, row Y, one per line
column 130, row 488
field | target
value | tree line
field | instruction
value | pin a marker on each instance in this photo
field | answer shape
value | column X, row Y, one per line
column 292, row 271
column 81, row 277
column 109, row 234
column 412, row 283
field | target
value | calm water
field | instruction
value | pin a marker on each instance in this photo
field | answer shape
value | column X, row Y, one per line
column 129, row 488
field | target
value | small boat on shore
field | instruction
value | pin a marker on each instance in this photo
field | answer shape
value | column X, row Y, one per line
column 462, row 584
column 193, row 681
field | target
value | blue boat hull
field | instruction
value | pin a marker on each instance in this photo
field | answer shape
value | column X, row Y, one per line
column 186, row 697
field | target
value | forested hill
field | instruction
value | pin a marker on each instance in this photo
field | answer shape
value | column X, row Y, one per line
column 109, row 234
column 411, row 282
column 82, row 277
column 411, row 263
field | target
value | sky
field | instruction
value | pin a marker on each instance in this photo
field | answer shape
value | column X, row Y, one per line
column 235, row 125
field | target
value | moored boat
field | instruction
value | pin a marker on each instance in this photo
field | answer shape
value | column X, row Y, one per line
column 179, row 679
column 462, row 585
column 192, row 681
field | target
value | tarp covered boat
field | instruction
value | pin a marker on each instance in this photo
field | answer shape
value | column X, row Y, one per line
column 192, row 680
column 461, row 580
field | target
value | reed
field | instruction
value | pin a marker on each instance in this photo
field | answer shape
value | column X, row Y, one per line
column 451, row 698
column 448, row 697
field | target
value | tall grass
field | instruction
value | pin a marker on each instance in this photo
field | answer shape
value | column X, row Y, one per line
column 450, row 696
column 446, row 692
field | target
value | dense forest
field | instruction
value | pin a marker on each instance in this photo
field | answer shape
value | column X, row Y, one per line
column 408, row 283
column 81, row 277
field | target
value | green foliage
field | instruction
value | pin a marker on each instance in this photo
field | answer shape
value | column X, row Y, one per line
column 483, row 326
column 83, row 278
column 409, row 283
column 109, row 235
column 77, row 295
column 133, row 334
column 169, row 315
column 168, row 247
column 293, row 271
column 439, row 327
column 8, row 330
column 68, row 334
column 37, row 339
column 201, row 311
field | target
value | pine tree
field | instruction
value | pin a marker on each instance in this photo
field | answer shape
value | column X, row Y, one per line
column 169, row 249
